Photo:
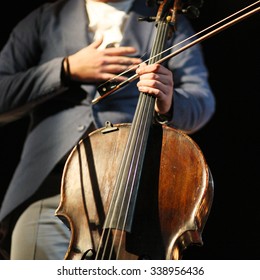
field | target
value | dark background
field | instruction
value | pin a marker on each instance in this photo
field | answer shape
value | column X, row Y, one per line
column 230, row 141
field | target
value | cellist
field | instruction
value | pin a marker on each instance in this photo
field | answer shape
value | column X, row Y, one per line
column 50, row 69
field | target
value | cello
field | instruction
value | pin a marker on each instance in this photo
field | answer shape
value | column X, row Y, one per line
column 146, row 193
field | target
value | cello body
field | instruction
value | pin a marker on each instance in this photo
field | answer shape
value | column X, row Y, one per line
column 172, row 205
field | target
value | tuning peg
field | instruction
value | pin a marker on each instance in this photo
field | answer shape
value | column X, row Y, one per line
column 149, row 19
column 191, row 12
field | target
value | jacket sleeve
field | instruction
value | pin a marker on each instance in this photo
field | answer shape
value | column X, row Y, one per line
column 24, row 81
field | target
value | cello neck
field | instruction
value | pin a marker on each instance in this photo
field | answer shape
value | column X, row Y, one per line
column 120, row 214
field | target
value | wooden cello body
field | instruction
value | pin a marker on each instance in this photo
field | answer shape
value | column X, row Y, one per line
column 173, row 202
column 136, row 191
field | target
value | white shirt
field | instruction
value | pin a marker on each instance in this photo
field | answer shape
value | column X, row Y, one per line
column 108, row 20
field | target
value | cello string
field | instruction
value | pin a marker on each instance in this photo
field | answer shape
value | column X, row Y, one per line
column 125, row 168
column 200, row 39
column 108, row 224
column 126, row 171
column 146, row 105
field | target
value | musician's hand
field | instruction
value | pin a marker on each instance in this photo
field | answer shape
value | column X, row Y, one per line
column 157, row 80
column 91, row 64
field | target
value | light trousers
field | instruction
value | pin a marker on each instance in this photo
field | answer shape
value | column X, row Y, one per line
column 39, row 234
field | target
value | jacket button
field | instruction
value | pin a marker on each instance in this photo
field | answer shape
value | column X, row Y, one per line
column 81, row 127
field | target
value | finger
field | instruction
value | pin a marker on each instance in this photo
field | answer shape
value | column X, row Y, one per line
column 155, row 88
column 122, row 60
column 163, row 98
column 152, row 68
column 115, row 68
column 149, row 90
column 161, row 79
column 120, row 51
